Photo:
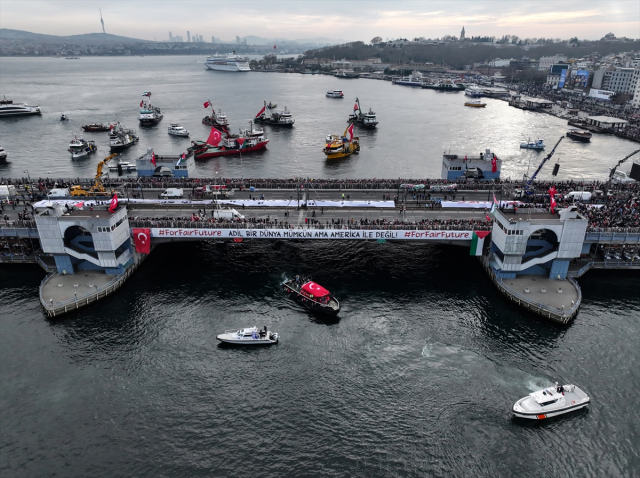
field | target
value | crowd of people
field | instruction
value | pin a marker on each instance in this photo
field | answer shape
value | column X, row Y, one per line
column 201, row 221
column 588, row 105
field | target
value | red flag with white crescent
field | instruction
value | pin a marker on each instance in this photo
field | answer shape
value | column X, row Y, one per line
column 260, row 112
column 142, row 240
column 214, row 137
column 355, row 107
column 114, row 203
column 141, row 103
column 494, row 164
column 153, row 159
column 206, row 104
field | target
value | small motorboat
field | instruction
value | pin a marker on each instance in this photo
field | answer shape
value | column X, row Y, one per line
column 64, row 117
column 249, row 336
column 551, row 402
column 578, row 135
column 3, row 154
column 475, row 104
column 335, row 94
column 537, row 145
column 311, row 295
column 176, row 129
column 79, row 148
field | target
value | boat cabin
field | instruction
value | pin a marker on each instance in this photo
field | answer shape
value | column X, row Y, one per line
column 315, row 291
column 546, row 397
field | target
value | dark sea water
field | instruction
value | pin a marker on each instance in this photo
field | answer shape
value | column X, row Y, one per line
column 416, row 377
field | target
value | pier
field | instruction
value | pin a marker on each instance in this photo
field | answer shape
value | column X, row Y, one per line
column 532, row 256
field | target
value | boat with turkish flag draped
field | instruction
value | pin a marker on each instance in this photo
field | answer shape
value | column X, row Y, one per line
column 311, row 295
column 246, row 141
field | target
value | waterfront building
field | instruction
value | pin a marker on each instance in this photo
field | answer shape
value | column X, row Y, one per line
column 546, row 62
column 621, row 79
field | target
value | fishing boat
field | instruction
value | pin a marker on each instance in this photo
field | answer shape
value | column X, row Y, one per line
column 3, row 154
column 365, row 120
column 335, row 94
column 247, row 141
column 578, row 135
column 79, row 148
column 249, row 336
column 121, row 138
column 551, row 402
column 337, row 147
column 537, row 145
column 149, row 114
column 176, row 129
column 95, row 127
column 311, row 295
column 217, row 119
column 475, row 104
column 274, row 118
column 64, row 117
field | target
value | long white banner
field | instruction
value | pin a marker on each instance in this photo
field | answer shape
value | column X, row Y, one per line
column 403, row 235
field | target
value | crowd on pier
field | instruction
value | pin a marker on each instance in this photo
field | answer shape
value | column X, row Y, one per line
column 588, row 105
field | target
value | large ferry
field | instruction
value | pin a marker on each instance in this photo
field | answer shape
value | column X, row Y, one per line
column 18, row 109
column 230, row 62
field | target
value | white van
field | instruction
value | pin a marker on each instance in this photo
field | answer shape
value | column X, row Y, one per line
column 59, row 193
column 578, row 196
column 171, row 193
column 227, row 214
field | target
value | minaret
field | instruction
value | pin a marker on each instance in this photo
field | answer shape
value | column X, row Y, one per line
column 462, row 34
column 102, row 21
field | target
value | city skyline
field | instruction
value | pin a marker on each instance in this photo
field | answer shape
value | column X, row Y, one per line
column 344, row 20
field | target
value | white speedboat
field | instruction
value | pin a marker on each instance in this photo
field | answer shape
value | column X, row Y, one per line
column 249, row 336
column 230, row 62
column 64, row 117
column 79, row 148
column 18, row 109
column 176, row 129
column 3, row 153
column 125, row 165
column 335, row 94
column 537, row 145
column 551, row 402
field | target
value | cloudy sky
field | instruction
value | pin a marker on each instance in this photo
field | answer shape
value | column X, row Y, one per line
column 346, row 20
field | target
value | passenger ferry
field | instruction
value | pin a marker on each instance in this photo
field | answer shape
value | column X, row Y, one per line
column 18, row 109
column 230, row 62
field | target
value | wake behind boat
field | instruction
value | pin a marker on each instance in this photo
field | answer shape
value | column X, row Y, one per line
column 551, row 402
column 249, row 336
column 311, row 295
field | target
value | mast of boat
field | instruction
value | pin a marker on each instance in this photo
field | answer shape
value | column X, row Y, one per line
column 211, row 106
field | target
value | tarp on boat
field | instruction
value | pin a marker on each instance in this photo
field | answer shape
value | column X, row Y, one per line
column 316, row 290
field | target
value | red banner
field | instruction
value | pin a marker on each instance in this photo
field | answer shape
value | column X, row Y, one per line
column 142, row 239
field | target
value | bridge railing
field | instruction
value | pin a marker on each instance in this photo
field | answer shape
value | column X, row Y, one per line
column 310, row 225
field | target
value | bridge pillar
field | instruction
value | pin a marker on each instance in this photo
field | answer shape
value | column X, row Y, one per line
column 559, row 268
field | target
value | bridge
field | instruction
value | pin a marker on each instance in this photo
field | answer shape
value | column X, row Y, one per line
column 102, row 248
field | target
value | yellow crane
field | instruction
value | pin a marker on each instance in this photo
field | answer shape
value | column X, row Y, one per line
column 98, row 188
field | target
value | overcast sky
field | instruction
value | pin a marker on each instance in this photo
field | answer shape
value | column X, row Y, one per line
column 347, row 19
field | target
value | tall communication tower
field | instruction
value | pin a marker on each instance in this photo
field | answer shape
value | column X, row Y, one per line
column 102, row 21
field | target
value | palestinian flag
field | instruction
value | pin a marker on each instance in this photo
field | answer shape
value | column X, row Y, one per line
column 494, row 206
column 477, row 242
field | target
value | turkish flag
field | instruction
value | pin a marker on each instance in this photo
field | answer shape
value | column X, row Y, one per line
column 494, row 164
column 553, row 204
column 142, row 239
column 141, row 103
column 350, row 132
column 206, row 104
column 114, row 203
column 260, row 112
column 274, row 47
column 355, row 107
column 153, row 159
column 214, row 137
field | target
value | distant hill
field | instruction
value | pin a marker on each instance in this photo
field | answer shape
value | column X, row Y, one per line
column 254, row 40
column 87, row 38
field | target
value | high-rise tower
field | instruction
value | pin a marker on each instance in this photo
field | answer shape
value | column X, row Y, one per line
column 102, row 21
column 462, row 34
column 188, row 37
